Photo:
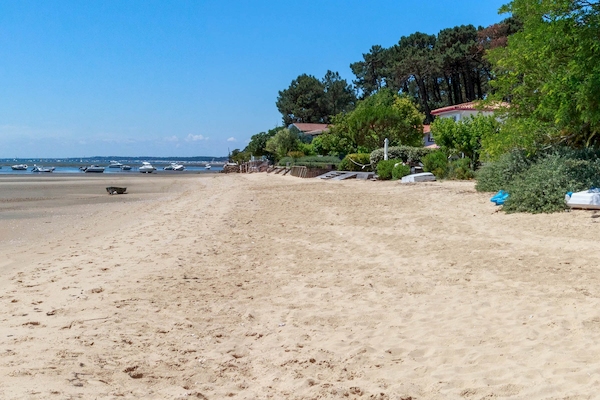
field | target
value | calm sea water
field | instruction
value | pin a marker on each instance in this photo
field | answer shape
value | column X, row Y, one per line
column 73, row 167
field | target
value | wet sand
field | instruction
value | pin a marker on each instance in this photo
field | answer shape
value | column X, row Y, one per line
column 263, row 286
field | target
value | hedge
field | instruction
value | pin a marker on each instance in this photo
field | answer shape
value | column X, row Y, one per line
column 407, row 154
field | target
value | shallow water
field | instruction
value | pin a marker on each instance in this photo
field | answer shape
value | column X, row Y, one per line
column 7, row 170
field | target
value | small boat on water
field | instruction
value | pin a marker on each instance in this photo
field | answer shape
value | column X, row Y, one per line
column 115, row 164
column 20, row 167
column 125, row 167
column 93, row 168
column 39, row 168
column 147, row 168
column 207, row 166
column 174, row 167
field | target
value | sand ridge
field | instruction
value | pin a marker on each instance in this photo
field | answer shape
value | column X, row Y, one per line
column 262, row 286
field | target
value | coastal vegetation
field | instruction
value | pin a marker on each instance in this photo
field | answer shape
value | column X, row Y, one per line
column 539, row 69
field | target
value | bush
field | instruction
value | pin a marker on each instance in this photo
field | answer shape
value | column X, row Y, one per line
column 356, row 162
column 407, row 154
column 385, row 167
column 436, row 163
column 400, row 170
column 542, row 187
column 460, row 169
column 497, row 175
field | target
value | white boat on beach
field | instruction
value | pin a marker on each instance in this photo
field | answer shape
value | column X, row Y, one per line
column 19, row 167
column 39, row 168
column 147, row 168
column 585, row 200
column 174, row 167
column 93, row 169
column 125, row 167
column 207, row 166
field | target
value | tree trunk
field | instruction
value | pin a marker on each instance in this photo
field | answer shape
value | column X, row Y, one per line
column 450, row 99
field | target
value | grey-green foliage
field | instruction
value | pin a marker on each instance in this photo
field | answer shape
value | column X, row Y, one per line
column 538, row 184
column 407, row 154
column 497, row 175
column 542, row 187
column 461, row 169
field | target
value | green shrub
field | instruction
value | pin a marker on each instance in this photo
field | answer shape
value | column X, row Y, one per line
column 400, row 170
column 385, row 167
column 356, row 162
column 461, row 169
column 542, row 187
column 407, row 154
column 436, row 163
column 497, row 175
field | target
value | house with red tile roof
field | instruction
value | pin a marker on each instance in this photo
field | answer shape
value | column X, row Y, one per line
column 464, row 110
column 459, row 112
column 428, row 139
column 310, row 129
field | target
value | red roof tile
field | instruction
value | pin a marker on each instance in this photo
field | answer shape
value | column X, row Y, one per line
column 470, row 106
column 307, row 127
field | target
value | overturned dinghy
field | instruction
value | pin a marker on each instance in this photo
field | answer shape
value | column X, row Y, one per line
column 587, row 200
column 421, row 177
column 116, row 190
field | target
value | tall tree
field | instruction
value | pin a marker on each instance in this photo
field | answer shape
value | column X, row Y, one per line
column 302, row 101
column 283, row 142
column 460, row 62
column 309, row 100
column 382, row 115
column 339, row 95
column 550, row 71
column 371, row 72
column 413, row 59
column 258, row 143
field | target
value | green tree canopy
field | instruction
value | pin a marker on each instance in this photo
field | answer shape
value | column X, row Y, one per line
column 464, row 136
column 283, row 142
column 382, row 115
column 258, row 143
column 309, row 100
column 550, row 71
column 371, row 73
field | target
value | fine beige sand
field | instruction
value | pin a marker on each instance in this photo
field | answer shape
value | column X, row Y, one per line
column 265, row 286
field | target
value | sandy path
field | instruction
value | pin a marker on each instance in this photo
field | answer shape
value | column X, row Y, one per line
column 260, row 286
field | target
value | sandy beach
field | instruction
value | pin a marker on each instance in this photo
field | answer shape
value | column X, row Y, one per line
column 265, row 286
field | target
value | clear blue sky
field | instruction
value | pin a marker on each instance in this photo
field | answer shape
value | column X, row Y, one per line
column 182, row 78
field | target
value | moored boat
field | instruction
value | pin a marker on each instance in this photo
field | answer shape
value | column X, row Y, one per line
column 93, row 168
column 115, row 164
column 19, row 167
column 147, row 168
column 39, row 168
column 125, row 167
column 174, row 167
